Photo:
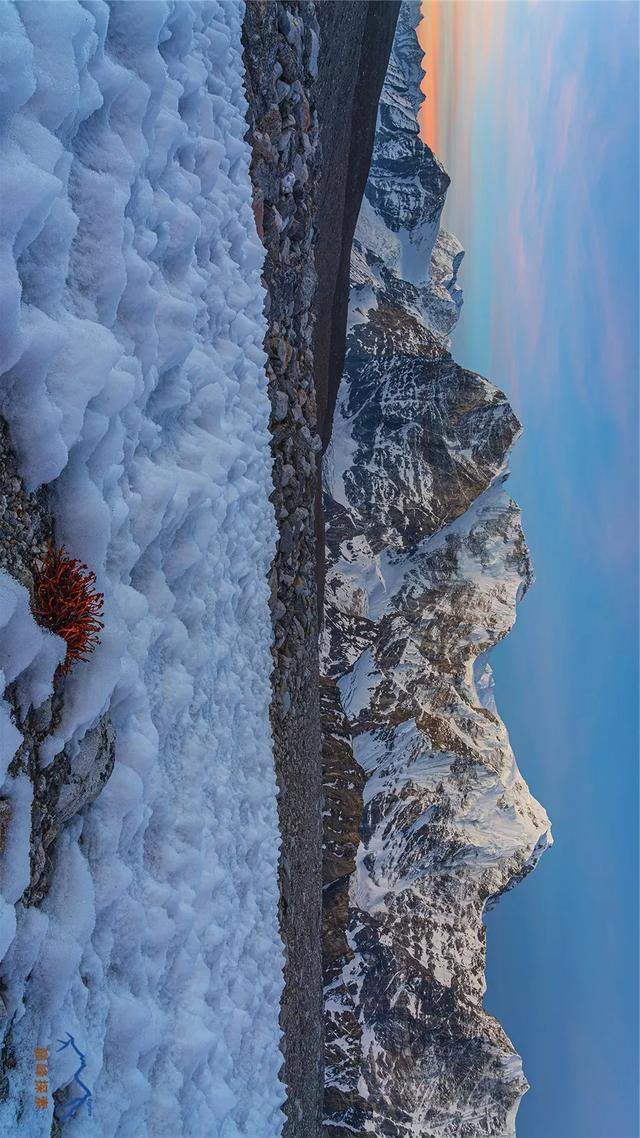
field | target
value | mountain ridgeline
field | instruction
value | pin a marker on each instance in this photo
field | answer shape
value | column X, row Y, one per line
column 427, row 818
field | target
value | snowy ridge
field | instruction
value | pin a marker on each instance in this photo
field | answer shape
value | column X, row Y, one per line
column 132, row 381
column 426, row 562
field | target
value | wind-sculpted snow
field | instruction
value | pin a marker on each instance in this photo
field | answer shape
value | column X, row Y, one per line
column 132, row 381
column 426, row 561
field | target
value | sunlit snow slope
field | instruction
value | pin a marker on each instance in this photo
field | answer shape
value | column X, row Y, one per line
column 132, row 381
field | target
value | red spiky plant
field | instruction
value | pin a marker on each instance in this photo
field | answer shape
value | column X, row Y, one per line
column 66, row 603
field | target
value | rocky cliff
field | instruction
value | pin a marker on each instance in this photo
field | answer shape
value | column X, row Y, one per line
column 428, row 820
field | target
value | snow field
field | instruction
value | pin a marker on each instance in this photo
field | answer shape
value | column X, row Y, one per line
column 132, row 379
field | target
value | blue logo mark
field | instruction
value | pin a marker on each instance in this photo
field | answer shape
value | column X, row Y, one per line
column 72, row 1107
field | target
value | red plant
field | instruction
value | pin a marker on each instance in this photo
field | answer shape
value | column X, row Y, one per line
column 66, row 603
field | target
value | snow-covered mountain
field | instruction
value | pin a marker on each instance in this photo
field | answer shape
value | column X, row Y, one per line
column 428, row 817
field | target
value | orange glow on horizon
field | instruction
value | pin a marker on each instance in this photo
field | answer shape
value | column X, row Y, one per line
column 458, row 38
column 428, row 32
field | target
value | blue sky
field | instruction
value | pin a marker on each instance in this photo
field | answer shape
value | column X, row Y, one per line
column 538, row 121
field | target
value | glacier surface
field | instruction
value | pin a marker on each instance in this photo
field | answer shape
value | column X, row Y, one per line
column 132, row 379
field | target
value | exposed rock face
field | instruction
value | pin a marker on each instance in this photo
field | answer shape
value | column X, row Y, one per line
column 26, row 526
column 426, row 561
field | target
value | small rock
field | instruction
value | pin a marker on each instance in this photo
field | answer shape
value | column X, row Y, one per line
column 5, row 818
column 280, row 406
column 313, row 47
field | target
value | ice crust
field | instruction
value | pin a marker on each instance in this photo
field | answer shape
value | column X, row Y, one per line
column 132, row 379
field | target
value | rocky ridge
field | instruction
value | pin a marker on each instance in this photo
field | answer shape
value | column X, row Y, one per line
column 428, row 818
column 299, row 68
column 281, row 47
